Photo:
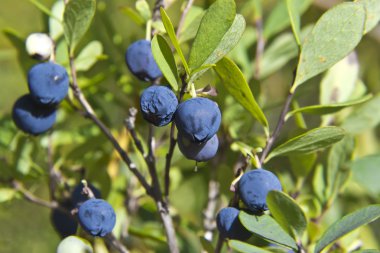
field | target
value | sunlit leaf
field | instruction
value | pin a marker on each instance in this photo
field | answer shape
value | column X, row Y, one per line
column 347, row 224
column 334, row 36
column 308, row 142
column 77, row 19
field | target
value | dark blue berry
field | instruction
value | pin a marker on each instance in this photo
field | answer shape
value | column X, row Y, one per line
column 199, row 152
column 48, row 83
column 229, row 226
column 158, row 105
column 31, row 117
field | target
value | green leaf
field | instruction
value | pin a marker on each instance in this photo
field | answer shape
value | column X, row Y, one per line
column 366, row 172
column 347, row 224
column 294, row 16
column 76, row 20
column 235, row 83
column 308, row 142
column 301, row 165
column 132, row 14
column 366, row 251
column 44, row 9
column 287, row 213
column 364, row 117
column 228, row 42
column 335, row 35
column 372, row 8
column 280, row 52
column 165, row 60
column 279, row 18
column 218, row 33
column 206, row 245
column 56, row 23
column 267, row 228
column 18, row 43
column 244, row 247
column 214, row 25
column 143, row 8
column 170, row 30
column 328, row 109
column 7, row 194
column 23, row 158
column 191, row 24
column 89, row 56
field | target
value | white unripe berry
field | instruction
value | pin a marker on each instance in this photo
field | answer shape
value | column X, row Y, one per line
column 39, row 45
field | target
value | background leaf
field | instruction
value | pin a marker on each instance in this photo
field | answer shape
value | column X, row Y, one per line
column 327, row 109
column 366, row 172
column 267, row 228
column 310, row 141
column 89, row 56
column 165, row 60
column 77, row 19
column 364, row 117
column 287, row 213
column 347, row 224
column 334, row 36
column 294, row 17
column 235, row 83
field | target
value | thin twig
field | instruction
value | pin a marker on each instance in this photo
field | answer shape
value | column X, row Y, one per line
column 34, row 199
column 209, row 212
column 130, row 125
column 173, row 141
column 111, row 239
column 183, row 16
column 91, row 115
column 280, row 123
column 156, row 15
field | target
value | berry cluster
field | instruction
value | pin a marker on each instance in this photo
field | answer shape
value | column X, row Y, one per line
column 253, row 187
column 197, row 119
column 48, row 82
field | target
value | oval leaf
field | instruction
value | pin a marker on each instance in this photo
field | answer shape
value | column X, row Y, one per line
column 89, row 56
column 328, row 109
column 333, row 37
column 347, row 224
column 214, row 25
column 235, row 83
column 267, row 228
column 76, row 20
column 170, row 30
column 366, row 172
column 287, row 213
column 372, row 8
column 294, row 16
column 308, row 142
column 363, row 118
column 163, row 55
column 244, row 247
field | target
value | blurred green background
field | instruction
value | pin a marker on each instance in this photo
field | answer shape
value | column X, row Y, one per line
column 26, row 228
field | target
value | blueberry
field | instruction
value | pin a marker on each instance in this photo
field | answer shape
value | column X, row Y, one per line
column 39, row 46
column 140, row 61
column 199, row 152
column 33, row 118
column 78, row 198
column 97, row 217
column 198, row 119
column 158, row 104
column 254, row 186
column 229, row 226
column 48, row 83
column 64, row 223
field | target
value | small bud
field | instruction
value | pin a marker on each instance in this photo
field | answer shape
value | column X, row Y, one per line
column 39, row 46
